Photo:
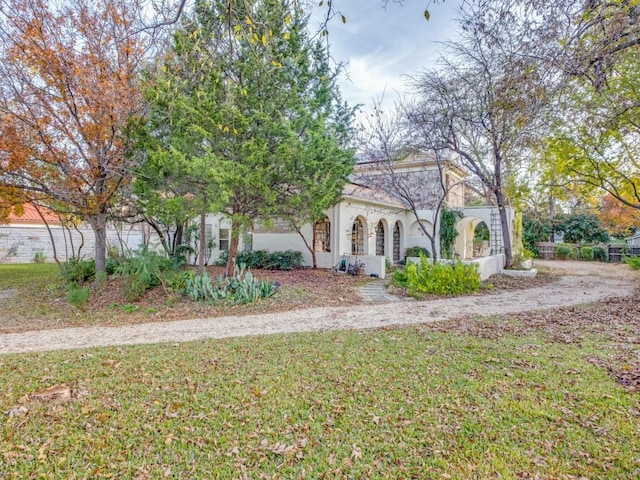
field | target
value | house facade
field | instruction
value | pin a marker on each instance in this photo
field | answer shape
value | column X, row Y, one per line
column 374, row 225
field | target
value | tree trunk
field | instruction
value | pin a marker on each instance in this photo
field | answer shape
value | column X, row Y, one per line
column 311, row 247
column 81, row 235
column 177, row 238
column 202, row 244
column 552, row 214
column 504, row 224
column 99, row 225
column 233, row 248
column 53, row 242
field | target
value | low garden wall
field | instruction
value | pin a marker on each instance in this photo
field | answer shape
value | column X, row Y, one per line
column 373, row 264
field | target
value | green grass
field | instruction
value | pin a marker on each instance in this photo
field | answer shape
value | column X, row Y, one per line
column 36, row 276
column 397, row 403
column 33, row 286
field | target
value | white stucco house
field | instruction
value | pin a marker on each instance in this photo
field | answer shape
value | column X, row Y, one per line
column 373, row 224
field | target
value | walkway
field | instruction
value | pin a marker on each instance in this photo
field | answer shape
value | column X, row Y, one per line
column 376, row 292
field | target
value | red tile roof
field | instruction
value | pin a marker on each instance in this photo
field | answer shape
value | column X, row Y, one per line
column 30, row 215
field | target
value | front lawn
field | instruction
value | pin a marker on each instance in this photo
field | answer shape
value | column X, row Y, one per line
column 536, row 396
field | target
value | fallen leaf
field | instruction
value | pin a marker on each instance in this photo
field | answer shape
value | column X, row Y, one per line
column 356, row 452
column 283, row 449
column 57, row 392
column 16, row 411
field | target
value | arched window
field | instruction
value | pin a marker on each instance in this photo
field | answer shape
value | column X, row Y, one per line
column 357, row 237
column 396, row 242
column 380, row 238
column 322, row 235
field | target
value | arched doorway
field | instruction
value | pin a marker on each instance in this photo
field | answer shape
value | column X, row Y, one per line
column 396, row 242
column 380, row 238
column 357, row 237
column 481, row 238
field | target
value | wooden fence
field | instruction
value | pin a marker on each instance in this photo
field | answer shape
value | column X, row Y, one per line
column 616, row 253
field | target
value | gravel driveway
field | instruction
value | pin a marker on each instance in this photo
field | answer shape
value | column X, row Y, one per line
column 581, row 282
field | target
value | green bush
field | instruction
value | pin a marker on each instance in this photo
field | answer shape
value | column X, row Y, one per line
column 39, row 257
column 284, row 260
column 239, row 289
column 76, row 271
column 221, row 261
column 439, row 278
column 600, row 254
column 281, row 260
column 253, row 258
column 77, row 296
column 564, row 251
column 633, row 262
column 586, row 253
column 416, row 251
column 142, row 272
column 399, row 278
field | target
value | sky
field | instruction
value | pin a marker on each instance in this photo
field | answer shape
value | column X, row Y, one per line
column 379, row 46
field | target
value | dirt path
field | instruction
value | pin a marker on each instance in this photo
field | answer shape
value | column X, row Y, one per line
column 582, row 282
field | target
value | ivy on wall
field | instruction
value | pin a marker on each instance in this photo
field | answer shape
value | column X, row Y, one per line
column 448, row 232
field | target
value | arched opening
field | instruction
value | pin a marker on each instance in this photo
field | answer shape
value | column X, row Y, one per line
column 322, row 235
column 357, row 237
column 481, row 240
column 380, row 238
column 396, row 242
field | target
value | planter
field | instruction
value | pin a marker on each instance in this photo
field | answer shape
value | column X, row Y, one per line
column 520, row 273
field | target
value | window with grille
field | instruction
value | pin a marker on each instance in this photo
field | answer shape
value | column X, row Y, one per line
column 224, row 239
column 322, row 235
column 357, row 237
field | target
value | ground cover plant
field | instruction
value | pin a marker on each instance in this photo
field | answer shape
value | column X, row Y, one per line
column 633, row 262
column 450, row 278
column 549, row 395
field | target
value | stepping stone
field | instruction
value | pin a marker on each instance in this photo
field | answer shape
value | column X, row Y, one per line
column 376, row 292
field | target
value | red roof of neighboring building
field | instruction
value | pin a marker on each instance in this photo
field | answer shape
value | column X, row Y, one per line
column 30, row 215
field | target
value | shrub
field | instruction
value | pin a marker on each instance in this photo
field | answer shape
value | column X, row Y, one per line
column 579, row 228
column 142, row 272
column 39, row 257
column 399, row 278
column 564, row 251
column 77, row 296
column 221, row 261
column 241, row 288
column 440, row 278
column 281, row 260
column 253, row 258
column 284, row 260
column 600, row 254
column 633, row 262
column 416, row 251
column 586, row 253
column 77, row 271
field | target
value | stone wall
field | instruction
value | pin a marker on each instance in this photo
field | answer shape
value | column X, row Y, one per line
column 19, row 243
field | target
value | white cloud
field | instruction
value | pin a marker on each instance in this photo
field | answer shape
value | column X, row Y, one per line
column 380, row 47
